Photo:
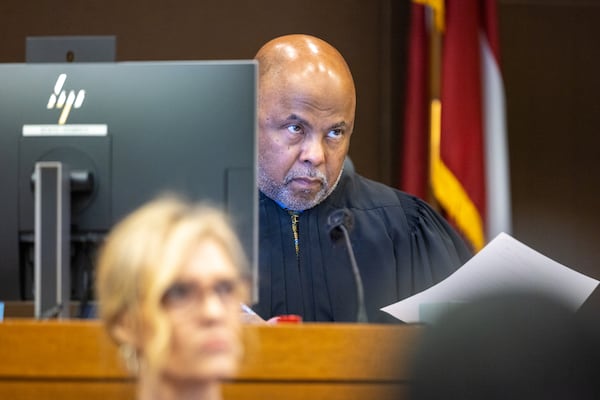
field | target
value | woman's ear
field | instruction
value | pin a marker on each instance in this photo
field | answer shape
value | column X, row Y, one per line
column 124, row 330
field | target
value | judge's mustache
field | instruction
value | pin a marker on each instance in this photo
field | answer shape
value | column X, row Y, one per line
column 307, row 172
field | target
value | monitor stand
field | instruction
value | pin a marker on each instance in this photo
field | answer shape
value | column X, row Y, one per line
column 52, row 282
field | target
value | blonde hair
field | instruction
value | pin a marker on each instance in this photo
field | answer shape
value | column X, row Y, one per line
column 141, row 259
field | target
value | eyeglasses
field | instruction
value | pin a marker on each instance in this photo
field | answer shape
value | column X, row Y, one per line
column 185, row 294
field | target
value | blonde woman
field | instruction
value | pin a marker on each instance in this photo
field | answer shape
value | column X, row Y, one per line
column 170, row 280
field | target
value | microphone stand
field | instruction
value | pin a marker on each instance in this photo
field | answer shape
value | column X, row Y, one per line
column 338, row 220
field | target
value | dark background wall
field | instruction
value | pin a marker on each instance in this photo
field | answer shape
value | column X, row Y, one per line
column 550, row 60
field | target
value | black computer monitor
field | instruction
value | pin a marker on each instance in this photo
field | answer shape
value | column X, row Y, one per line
column 139, row 129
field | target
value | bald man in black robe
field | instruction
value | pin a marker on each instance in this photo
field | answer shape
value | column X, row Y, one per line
column 306, row 111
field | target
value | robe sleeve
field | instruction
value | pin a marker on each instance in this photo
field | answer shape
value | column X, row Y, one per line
column 432, row 251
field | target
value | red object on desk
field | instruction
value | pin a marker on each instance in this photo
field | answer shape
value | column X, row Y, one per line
column 285, row 319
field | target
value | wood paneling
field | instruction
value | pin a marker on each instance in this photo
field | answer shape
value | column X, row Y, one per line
column 75, row 359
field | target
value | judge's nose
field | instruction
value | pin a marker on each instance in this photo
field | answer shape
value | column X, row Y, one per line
column 312, row 152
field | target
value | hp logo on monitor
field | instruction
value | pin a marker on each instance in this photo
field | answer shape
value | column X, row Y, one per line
column 60, row 99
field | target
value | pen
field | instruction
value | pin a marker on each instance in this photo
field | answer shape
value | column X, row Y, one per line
column 247, row 309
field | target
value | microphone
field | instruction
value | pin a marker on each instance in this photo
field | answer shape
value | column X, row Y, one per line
column 339, row 224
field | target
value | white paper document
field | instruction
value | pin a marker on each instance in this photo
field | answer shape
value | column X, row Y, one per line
column 504, row 264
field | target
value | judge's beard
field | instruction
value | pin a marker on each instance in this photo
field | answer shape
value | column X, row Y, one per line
column 296, row 201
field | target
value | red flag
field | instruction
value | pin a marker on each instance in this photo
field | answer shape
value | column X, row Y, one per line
column 461, row 113
column 415, row 171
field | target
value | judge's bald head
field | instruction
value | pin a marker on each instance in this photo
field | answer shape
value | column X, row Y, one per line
column 303, row 57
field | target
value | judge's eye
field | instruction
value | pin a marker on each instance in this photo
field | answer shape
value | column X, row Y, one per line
column 295, row 129
column 335, row 133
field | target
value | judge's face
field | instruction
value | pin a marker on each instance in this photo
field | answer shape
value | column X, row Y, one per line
column 304, row 135
column 203, row 308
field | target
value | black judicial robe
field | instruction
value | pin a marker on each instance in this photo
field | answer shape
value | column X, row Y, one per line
column 401, row 246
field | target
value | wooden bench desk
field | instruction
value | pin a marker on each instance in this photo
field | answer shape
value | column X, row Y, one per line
column 74, row 359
